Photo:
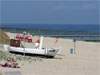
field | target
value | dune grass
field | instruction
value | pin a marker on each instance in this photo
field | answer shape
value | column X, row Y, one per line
column 4, row 39
column 5, row 55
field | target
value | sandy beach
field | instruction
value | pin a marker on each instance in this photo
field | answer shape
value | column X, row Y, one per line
column 85, row 60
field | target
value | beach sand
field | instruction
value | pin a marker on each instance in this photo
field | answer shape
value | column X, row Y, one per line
column 85, row 61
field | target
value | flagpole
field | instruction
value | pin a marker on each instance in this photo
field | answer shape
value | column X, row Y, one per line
column 24, row 33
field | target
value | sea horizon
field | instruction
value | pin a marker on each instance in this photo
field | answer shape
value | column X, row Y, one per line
column 89, row 32
column 85, row 28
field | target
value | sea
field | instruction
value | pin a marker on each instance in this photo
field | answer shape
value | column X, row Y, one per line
column 79, row 32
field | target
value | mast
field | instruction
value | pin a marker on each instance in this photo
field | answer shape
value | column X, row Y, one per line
column 41, row 42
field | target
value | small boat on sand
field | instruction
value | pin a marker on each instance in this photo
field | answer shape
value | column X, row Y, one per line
column 49, row 52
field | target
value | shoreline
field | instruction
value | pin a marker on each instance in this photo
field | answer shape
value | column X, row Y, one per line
column 37, row 32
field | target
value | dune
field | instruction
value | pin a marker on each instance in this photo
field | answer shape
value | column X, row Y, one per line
column 4, row 38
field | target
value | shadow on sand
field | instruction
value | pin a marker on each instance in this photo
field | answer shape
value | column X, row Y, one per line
column 32, row 55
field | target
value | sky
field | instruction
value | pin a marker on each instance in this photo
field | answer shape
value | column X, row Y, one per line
column 50, row 11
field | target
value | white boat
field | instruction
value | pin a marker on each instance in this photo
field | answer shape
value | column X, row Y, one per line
column 51, row 52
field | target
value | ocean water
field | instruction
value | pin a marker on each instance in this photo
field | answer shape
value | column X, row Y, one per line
column 59, row 30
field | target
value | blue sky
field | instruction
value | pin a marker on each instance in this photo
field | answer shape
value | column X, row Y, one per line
column 49, row 11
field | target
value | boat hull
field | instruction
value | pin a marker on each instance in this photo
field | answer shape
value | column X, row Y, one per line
column 36, row 51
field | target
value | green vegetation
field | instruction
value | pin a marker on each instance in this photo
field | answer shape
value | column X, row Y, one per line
column 6, row 55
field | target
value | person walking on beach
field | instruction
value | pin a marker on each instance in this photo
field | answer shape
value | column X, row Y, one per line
column 56, row 40
column 73, row 50
column 74, row 40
